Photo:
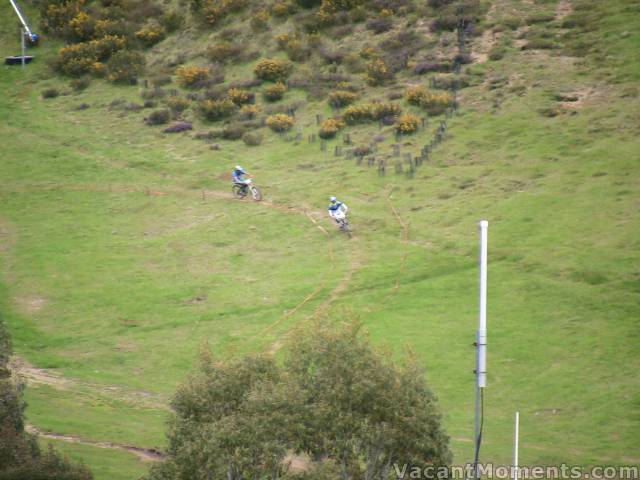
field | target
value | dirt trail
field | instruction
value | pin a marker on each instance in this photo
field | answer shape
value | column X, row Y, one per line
column 25, row 372
column 144, row 454
column 563, row 9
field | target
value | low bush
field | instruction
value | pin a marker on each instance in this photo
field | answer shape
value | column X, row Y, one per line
column 79, row 84
column 171, row 20
column 462, row 59
column 341, row 98
column 540, row 18
column 151, row 33
column 377, row 72
column 539, row 43
column 371, row 111
column 361, row 151
column 80, row 58
column 383, row 110
column 50, row 93
column 158, row 117
column 433, row 103
column 407, row 123
column 125, row 66
column 511, row 23
column 248, row 112
column 253, row 139
column 260, row 20
column 497, row 53
column 213, row 110
column 275, row 92
column 280, row 122
column 330, row 127
column 427, row 67
column 225, row 52
column 156, row 92
column 379, row 25
column 179, row 127
column 233, row 131
column 160, row 80
column 272, row 70
column 192, row 76
column 178, row 104
column 297, row 51
column 331, row 56
column 282, row 8
column 240, row 97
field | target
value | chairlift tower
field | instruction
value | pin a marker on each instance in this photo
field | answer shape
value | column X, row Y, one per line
column 26, row 37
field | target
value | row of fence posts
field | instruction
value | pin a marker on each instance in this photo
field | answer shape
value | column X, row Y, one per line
column 408, row 164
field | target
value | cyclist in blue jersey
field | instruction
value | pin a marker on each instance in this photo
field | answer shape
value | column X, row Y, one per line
column 337, row 210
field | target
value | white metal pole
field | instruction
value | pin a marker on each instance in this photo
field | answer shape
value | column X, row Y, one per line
column 24, row 52
column 481, row 340
column 515, row 446
column 482, row 317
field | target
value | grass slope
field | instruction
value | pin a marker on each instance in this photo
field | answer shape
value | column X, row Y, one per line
column 115, row 267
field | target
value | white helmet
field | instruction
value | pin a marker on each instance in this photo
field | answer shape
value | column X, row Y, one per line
column 239, row 168
column 333, row 199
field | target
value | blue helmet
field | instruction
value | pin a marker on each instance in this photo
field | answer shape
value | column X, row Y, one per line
column 333, row 199
column 239, row 168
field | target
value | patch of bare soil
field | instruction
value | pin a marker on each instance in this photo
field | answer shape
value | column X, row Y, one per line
column 144, row 454
column 24, row 372
column 563, row 9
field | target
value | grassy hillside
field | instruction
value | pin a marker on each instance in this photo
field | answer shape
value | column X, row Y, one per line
column 123, row 251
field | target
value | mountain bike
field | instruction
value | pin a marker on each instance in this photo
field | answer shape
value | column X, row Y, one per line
column 343, row 223
column 241, row 190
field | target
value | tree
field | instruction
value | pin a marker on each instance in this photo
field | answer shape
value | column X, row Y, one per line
column 336, row 399
column 20, row 455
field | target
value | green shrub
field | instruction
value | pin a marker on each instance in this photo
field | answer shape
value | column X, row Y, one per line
column 233, row 131
column 124, row 67
column 171, row 20
column 214, row 110
column 178, row 104
column 50, row 93
column 433, row 103
column 540, row 18
column 79, row 84
column 407, row 123
column 279, row 122
column 272, row 70
column 330, row 127
column 260, row 20
column 341, row 98
column 239, row 96
column 275, row 92
column 225, row 52
column 158, row 117
column 282, row 8
column 370, row 111
column 249, row 112
column 497, row 53
column 378, row 72
column 78, row 59
column 192, row 76
column 252, row 139
column 151, row 33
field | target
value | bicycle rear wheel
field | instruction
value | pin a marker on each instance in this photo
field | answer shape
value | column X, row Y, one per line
column 239, row 191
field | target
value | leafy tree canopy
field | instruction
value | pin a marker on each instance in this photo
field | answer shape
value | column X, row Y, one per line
column 336, row 400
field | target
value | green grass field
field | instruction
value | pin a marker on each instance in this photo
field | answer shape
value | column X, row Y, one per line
column 121, row 253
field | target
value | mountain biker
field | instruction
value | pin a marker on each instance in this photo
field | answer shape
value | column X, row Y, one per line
column 238, row 176
column 337, row 209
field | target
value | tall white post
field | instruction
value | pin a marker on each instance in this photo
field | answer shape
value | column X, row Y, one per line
column 481, row 340
column 24, row 50
column 515, row 446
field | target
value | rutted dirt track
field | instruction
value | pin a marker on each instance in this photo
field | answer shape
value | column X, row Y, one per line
column 144, row 454
column 25, row 372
